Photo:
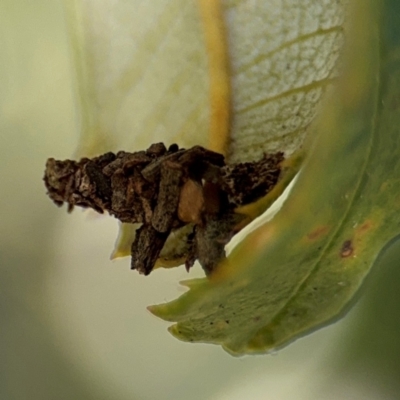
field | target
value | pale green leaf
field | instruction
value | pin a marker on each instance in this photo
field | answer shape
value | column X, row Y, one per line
column 142, row 73
column 143, row 70
column 283, row 54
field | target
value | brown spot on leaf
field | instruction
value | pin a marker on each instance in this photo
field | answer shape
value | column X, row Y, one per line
column 318, row 232
column 365, row 227
column 347, row 249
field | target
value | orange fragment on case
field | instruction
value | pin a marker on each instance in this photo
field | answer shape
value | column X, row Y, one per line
column 191, row 202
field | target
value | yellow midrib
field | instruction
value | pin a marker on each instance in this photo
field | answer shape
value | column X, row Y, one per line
column 214, row 29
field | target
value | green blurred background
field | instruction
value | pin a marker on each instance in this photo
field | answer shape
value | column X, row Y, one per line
column 74, row 325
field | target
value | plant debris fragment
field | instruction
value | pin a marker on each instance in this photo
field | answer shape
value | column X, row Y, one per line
column 164, row 190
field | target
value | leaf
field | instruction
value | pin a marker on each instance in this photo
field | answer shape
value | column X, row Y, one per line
column 302, row 269
column 283, row 56
column 142, row 73
column 194, row 72
column 166, row 70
